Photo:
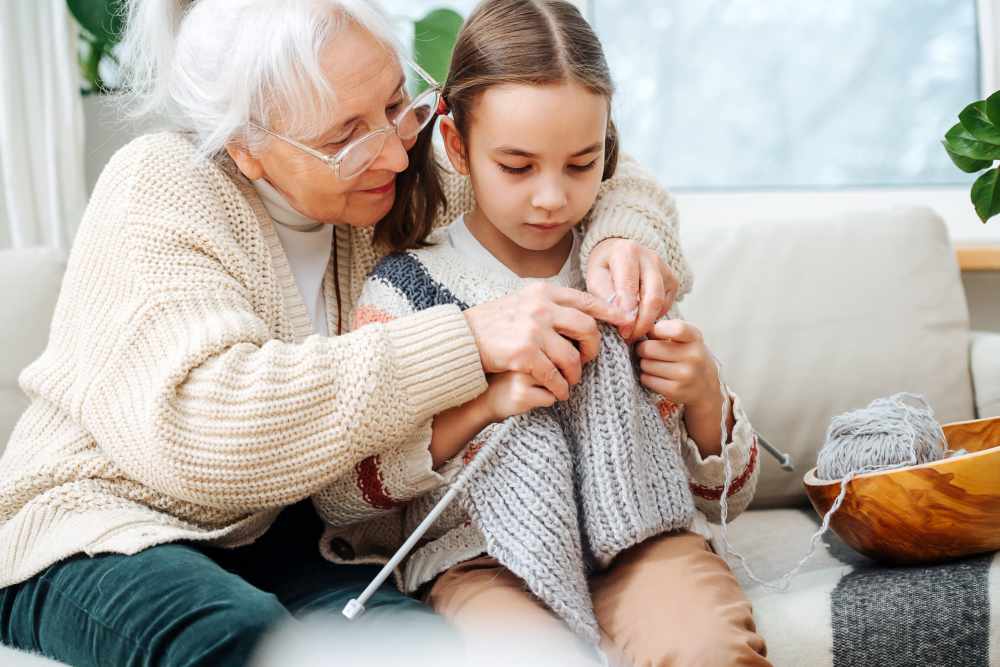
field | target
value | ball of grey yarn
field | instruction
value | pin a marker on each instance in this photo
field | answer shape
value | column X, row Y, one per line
column 881, row 435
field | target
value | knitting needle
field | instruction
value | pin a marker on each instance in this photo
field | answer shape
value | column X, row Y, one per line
column 783, row 458
column 356, row 606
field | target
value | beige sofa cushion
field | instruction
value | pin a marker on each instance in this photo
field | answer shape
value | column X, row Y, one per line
column 29, row 286
column 812, row 318
column 985, row 355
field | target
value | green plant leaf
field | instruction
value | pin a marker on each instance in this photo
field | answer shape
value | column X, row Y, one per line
column 103, row 19
column 966, row 164
column 993, row 108
column 986, row 195
column 975, row 119
column 433, row 40
column 959, row 141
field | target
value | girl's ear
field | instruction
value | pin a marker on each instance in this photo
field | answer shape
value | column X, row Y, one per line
column 454, row 146
column 249, row 165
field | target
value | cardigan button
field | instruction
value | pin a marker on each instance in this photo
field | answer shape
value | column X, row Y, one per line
column 343, row 550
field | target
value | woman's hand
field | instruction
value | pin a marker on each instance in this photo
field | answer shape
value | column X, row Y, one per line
column 635, row 279
column 530, row 332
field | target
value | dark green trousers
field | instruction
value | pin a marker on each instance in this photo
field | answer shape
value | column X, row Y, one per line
column 187, row 604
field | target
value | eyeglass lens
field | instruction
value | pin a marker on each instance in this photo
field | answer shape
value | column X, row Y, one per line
column 415, row 118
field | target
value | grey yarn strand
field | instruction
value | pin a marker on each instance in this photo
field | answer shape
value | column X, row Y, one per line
column 889, row 434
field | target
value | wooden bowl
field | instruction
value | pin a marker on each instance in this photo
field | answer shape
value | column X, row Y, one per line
column 923, row 513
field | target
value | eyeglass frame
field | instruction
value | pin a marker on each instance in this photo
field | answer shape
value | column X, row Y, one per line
column 334, row 161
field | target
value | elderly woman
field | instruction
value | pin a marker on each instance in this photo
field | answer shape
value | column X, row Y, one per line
column 161, row 500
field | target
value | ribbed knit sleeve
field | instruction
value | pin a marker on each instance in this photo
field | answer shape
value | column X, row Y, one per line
column 707, row 474
column 630, row 204
column 171, row 346
column 381, row 483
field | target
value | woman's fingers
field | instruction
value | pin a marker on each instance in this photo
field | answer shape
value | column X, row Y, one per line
column 547, row 375
column 653, row 300
column 564, row 355
column 589, row 304
column 626, row 274
column 579, row 327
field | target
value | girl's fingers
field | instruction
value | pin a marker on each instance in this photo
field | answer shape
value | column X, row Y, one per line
column 662, row 350
column 677, row 330
column 540, row 398
column 666, row 388
column 667, row 370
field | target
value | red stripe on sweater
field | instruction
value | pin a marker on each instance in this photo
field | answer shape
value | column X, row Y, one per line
column 369, row 480
column 470, row 452
column 715, row 492
column 367, row 314
column 667, row 408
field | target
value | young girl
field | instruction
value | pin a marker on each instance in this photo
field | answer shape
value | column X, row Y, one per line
column 529, row 97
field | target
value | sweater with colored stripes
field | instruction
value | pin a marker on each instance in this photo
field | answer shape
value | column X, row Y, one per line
column 390, row 493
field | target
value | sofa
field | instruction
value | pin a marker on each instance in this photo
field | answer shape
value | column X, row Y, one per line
column 810, row 318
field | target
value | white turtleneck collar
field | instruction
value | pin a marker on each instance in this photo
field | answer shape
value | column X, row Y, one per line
column 307, row 245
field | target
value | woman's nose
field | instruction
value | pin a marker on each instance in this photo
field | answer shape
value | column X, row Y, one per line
column 393, row 156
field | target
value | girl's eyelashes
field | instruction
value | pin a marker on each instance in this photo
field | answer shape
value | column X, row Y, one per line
column 513, row 170
column 584, row 167
column 579, row 168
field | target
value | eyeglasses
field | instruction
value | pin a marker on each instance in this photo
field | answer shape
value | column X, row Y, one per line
column 353, row 159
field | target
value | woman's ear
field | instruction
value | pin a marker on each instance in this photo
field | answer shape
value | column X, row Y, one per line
column 454, row 146
column 245, row 161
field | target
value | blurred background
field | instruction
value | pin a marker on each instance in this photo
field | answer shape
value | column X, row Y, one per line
column 745, row 109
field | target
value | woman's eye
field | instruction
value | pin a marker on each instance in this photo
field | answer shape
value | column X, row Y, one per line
column 513, row 170
column 394, row 108
column 584, row 167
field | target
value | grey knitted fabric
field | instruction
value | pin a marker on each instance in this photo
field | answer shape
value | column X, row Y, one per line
column 565, row 489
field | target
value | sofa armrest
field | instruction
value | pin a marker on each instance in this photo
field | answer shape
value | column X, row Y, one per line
column 984, row 360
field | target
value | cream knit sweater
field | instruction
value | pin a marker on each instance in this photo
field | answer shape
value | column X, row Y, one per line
column 181, row 397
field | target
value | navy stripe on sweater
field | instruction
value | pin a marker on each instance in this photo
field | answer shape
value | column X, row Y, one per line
column 404, row 272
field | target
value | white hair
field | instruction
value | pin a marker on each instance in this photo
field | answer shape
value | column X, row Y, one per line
column 212, row 67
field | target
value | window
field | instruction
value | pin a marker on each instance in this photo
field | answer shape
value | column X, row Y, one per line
column 742, row 94
column 751, row 109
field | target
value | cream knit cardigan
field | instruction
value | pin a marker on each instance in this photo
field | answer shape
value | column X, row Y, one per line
column 181, row 395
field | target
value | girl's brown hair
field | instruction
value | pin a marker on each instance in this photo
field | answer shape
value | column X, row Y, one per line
column 418, row 196
column 533, row 42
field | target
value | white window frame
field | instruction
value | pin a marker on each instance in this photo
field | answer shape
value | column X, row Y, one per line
column 951, row 202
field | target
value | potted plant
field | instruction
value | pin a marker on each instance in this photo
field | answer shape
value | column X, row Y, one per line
column 973, row 145
column 101, row 23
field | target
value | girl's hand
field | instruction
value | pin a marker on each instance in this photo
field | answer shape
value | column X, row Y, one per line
column 636, row 279
column 677, row 365
column 514, row 393
column 530, row 332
